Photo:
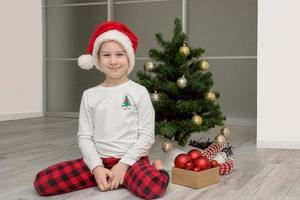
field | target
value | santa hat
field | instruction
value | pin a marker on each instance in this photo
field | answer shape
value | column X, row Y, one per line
column 106, row 31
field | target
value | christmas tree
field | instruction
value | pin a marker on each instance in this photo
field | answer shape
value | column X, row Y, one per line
column 180, row 86
column 126, row 102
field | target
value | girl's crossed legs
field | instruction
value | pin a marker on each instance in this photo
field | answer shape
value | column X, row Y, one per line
column 142, row 179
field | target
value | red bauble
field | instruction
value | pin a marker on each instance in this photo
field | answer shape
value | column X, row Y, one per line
column 202, row 162
column 196, row 168
column 189, row 165
column 214, row 163
column 181, row 160
column 194, row 154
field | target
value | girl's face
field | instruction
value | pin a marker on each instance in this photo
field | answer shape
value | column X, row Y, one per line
column 113, row 60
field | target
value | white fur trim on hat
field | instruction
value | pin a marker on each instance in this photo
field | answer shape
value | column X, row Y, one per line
column 85, row 61
column 118, row 37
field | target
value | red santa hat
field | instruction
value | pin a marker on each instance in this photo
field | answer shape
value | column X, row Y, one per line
column 106, row 31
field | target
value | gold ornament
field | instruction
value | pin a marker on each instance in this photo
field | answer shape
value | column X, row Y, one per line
column 197, row 119
column 149, row 66
column 220, row 139
column 167, row 146
column 210, row 96
column 184, row 50
column 181, row 82
column 225, row 132
column 155, row 96
column 204, row 65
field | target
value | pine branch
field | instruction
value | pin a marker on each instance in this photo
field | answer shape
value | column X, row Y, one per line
column 202, row 143
column 161, row 41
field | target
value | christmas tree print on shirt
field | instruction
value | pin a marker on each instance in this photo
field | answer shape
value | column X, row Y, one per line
column 126, row 104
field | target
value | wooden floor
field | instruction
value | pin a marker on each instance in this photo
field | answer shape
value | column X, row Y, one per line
column 30, row 145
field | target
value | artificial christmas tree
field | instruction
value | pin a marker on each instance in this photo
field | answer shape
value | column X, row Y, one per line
column 180, row 85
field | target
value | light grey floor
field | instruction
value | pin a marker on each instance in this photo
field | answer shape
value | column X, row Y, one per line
column 28, row 146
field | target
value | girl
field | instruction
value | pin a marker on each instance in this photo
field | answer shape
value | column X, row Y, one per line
column 116, row 126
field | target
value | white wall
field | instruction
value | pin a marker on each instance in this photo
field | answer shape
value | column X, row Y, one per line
column 278, row 74
column 21, row 59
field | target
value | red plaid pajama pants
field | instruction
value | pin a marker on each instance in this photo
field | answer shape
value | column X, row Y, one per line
column 142, row 178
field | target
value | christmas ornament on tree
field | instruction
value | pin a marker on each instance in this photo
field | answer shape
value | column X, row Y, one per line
column 149, row 66
column 167, row 146
column 220, row 139
column 181, row 82
column 155, row 97
column 210, row 96
column 197, row 119
column 184, row 50
column 204, row 65
column 225, row 132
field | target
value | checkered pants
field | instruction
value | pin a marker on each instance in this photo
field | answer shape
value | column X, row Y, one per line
column 142, row 178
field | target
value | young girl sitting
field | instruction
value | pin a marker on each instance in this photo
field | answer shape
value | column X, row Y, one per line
column 116, row 126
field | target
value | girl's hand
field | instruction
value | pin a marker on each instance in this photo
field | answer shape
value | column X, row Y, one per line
column 101, row 175
column 118, row 173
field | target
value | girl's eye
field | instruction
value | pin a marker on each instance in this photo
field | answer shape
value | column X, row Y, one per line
column 120, row 54
column 106, row 55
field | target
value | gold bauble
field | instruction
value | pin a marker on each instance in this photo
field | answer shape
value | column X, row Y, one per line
column 210, row 96
column 220, row 139
column 181, row 82
column 184, row 50
column 197, row 120
column 155, row 96
column 167, row 146
column 204, row 65
column 149, row 66
column 225, row 132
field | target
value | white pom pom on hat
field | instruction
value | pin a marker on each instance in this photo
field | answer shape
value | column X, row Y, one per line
column 106, row 31
column 85, row 61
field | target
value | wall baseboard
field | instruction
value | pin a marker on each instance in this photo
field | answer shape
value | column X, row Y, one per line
column 230, row 120
column 240, row 121
column 62, row 114
column 20, row 116
column 277, row 144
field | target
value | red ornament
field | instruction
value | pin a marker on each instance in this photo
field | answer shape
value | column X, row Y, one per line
column 202, row 162
column 181, row 160
column 194, row 154
column 189, row 165
column 196, row 168
column 214, row 163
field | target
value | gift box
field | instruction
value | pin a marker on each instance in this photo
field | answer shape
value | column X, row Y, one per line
column 193, row 179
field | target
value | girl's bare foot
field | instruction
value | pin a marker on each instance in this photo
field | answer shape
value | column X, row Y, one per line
column 158, row 164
